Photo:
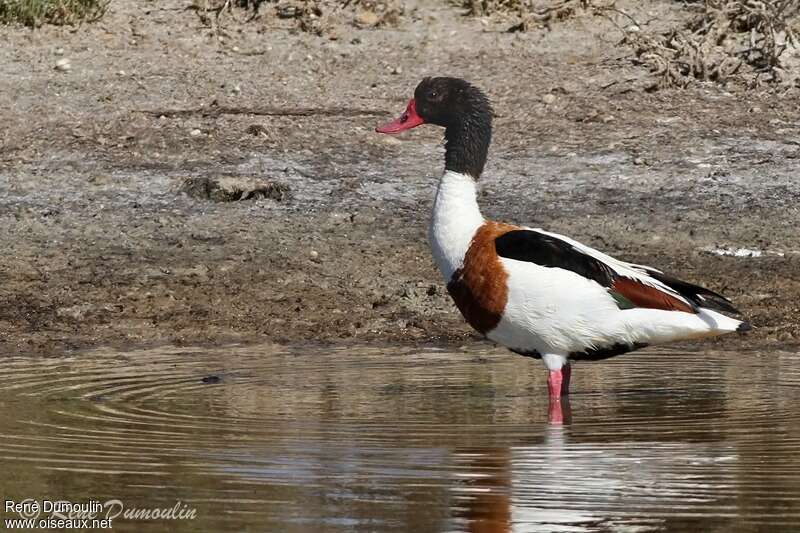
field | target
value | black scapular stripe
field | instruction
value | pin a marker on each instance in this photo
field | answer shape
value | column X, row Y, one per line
column 547, row 251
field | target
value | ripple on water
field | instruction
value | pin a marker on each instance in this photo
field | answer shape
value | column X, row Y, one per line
column 398, row 439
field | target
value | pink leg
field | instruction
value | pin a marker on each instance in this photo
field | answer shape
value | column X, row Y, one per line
column 558, row 385
column 555, row 415
column 555, row 383
column 559, row 411
column 566, row 371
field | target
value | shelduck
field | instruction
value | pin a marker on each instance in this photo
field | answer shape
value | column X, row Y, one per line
column 541, row 294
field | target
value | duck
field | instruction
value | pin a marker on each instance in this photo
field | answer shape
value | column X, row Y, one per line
column 535, row 292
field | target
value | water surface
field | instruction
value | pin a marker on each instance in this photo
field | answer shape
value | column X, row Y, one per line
column 373, row 439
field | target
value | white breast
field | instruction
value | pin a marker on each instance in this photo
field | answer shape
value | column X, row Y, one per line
column 456, row 218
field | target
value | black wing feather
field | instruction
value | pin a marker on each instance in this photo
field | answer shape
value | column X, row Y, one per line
column 696, row 294
column 548, row 251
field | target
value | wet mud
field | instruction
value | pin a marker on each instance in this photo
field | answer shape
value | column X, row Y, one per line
column 102, row 245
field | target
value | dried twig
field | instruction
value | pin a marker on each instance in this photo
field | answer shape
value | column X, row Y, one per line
column 217, row 111
column 724, row 37
column 530, row 15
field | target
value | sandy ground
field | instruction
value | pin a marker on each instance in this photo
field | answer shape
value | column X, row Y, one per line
column 100, row 247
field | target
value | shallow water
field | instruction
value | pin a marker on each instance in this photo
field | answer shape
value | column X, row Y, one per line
column 368, row 439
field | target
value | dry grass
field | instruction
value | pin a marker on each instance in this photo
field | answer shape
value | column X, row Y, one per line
column 726, row 40
column 34, row 13
column 722, row 40
column 320, row 17
column 527, row 14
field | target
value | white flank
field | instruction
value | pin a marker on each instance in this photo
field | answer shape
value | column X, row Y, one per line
column 557, row 312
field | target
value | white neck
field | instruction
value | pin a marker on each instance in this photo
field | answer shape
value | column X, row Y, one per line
column 456, row 218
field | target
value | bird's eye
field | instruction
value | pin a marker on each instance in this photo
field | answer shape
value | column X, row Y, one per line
column 433, row 94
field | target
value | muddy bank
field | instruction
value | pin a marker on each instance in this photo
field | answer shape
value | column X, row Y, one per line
column 102, row 247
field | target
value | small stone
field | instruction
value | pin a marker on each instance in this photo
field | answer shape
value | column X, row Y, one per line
column 233, row 189
column 63, row 64
column 608, row 118
column 639, row 161
column 549, row 98
column 59, row 51
column 75, row 312
column 397, row 70
column 287, row 11
column 257, row 129
column 195, row 132
column 237, row 88
column 367, row 19
column 235, row 48
column 314, row 255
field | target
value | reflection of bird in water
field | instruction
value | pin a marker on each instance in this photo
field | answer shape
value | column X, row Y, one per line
column 538, row 293
column 483, row 499
column 560, row 412
column 560, row 485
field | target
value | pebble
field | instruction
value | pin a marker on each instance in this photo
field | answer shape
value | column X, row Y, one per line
column 397, row 70
column 549, row 98
column 63, row 64
column 367, row 19
column 195, row 132
column 257, row 129
column 59, row 51
column 388, row 139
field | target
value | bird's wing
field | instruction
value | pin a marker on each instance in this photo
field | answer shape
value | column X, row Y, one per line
column 629, row 284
